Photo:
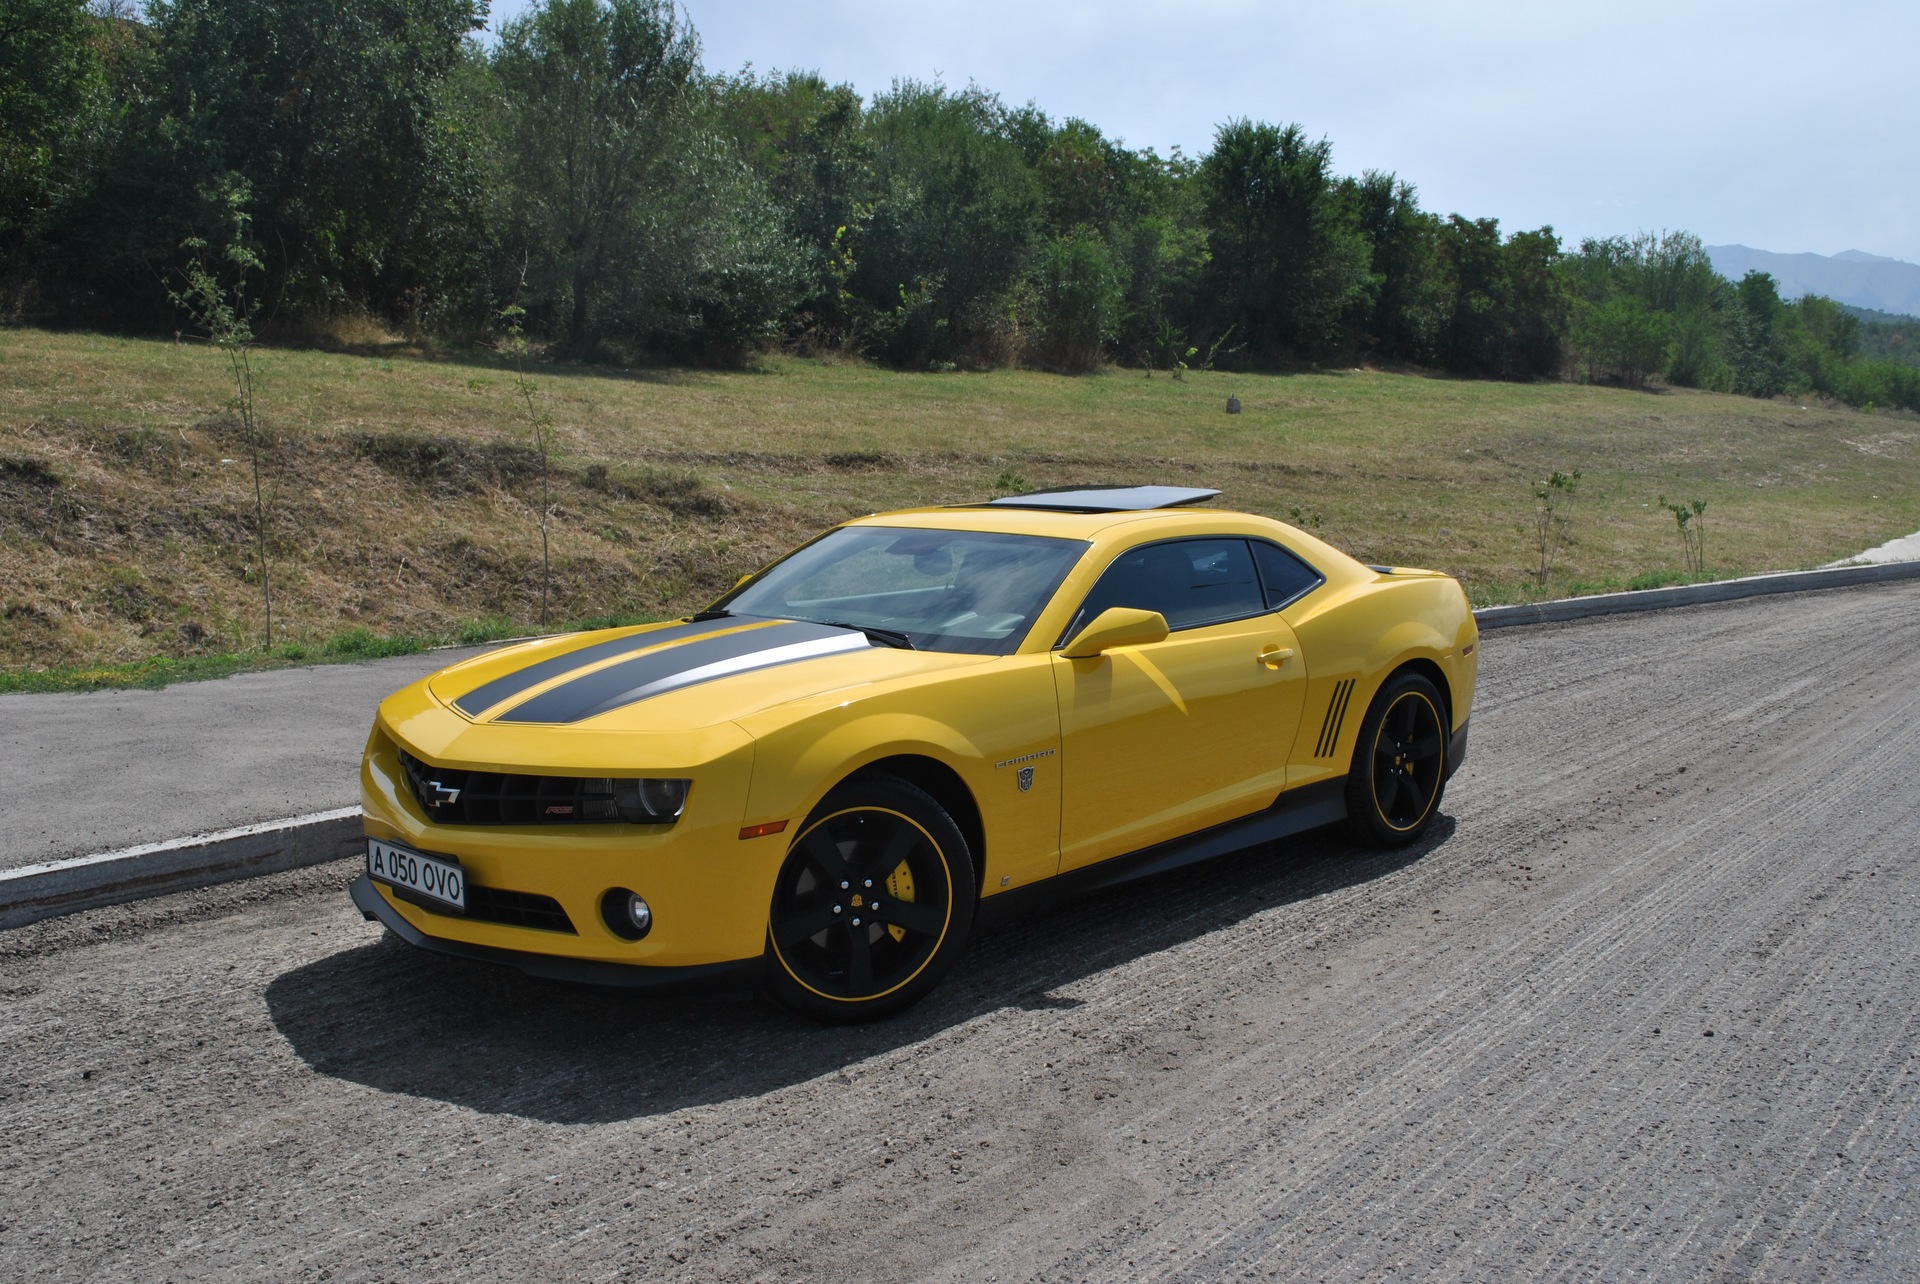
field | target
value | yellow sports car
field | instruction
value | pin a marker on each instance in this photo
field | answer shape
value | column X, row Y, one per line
column 820, row 784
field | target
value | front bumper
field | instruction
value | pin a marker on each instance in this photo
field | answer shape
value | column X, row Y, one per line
column 709, row 889
column 736, row 974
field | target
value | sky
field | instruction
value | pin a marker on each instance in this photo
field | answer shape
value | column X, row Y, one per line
column 1791, row 127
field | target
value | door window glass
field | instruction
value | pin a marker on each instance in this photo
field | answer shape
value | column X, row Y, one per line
column 1189, row 581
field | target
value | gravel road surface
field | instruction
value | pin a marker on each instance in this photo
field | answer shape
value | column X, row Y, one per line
column 1645, row 1005
column 187, row 759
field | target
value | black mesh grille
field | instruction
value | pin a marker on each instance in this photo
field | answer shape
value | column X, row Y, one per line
column 452, row 796
column 494, row 905
column 517, row 909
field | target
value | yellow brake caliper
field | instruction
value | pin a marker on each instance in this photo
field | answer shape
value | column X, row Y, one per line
column 900, row 887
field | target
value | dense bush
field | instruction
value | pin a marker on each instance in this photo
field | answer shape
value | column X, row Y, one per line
column 589, row 170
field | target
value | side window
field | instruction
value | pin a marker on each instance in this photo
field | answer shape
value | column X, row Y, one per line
column 1284, row 576
column 1190, row 581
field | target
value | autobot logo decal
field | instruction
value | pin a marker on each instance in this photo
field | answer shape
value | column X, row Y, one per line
column 1024, row 776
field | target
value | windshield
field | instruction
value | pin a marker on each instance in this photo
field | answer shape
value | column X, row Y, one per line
column 971, row 591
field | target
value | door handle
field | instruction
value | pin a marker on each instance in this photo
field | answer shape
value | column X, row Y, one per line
column 1275, row 656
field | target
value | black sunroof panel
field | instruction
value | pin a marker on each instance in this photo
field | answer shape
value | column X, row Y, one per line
column 1107, row 499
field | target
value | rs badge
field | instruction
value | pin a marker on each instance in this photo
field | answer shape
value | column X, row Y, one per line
column 1026, row 779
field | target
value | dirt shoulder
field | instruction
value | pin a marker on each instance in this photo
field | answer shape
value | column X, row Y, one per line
column 1643, row 1006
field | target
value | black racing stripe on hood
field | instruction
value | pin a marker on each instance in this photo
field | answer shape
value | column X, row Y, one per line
column 621, row 684
column 482, row 698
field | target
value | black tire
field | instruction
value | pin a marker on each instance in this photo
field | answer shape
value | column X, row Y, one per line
column 1399, row 767
column 832, row 953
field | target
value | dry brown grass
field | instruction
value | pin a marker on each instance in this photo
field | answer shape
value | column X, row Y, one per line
column 406, row 489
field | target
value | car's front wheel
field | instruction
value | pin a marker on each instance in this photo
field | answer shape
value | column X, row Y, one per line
column 1399, row 764
column 872, row 905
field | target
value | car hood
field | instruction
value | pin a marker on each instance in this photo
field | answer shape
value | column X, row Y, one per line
column 673, row 677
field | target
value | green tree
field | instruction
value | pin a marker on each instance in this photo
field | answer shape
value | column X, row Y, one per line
column 219, row 299
column 637, row 212
column 1080, row 295
column 1622, row 339
column 1652, row 281
column 48, row 70
column 1505, row 309
column 1403, row 312
column 955, row 219
column 332, row 114
column 1288, row 268
column 600, row 97
column 1756, row 346
column 807, row 140
column 1139, row 204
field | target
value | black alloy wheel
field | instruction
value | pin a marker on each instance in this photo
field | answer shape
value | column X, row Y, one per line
column 872, row 905
column 1399, row 764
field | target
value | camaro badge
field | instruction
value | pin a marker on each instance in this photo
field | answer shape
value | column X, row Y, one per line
column 1026, row 779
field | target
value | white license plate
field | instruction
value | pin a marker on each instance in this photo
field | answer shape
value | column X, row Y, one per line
column 439, row 881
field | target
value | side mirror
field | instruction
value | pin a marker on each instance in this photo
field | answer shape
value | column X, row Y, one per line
column 1117, row 626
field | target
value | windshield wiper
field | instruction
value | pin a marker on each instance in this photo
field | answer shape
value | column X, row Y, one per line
column 717, row 613
column 885, row 637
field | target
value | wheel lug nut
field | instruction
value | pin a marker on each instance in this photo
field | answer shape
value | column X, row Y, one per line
column 856, row 922
column 844, row 885
column 836, row 909
column 869, row 882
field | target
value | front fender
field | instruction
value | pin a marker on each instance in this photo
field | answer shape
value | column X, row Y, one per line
column 793, row 771
column 997, row 728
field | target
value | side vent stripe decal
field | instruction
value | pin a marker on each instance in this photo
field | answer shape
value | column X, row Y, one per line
column 1340, row 720
column 1336, row 717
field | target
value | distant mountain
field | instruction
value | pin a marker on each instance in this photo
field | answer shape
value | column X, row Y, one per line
column 1851, row 276
column 1873, row 316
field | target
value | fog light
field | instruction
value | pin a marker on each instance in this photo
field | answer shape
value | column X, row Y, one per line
column 627, row 914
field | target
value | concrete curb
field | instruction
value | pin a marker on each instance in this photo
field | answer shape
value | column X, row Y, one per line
column 1580, row 608
column 155, row 869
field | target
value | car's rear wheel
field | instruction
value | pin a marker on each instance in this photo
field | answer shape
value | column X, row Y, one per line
column 1399, row 764
column 872, row 905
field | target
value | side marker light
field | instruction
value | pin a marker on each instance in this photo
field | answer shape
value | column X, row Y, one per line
column 761, row 831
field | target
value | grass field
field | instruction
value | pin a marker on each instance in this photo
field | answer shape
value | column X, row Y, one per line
column 406, row 492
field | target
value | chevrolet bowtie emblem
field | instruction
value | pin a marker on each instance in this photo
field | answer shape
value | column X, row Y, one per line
column 443, row 795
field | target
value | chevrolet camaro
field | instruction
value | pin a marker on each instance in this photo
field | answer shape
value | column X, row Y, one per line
column 821, row 783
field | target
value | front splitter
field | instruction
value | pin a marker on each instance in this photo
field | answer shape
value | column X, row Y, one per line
column 703, row 978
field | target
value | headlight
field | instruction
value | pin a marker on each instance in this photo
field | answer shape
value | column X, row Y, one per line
column 638, row 802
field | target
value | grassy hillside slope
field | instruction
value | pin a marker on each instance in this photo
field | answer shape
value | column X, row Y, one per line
column 407, row 492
